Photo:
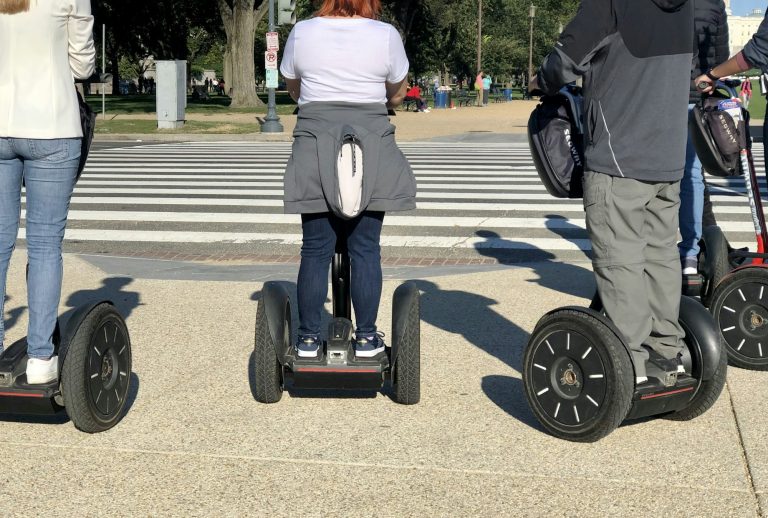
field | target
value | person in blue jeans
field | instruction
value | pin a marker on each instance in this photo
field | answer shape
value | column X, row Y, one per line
column 711, row 36
column 40, row 142
column 334, row 106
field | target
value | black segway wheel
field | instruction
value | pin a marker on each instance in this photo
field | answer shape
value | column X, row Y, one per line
column 96, row 373
column 714, row 261
column 406, row 378
column 266, row 370
column 578, row 376
column 701, row 340
column 740, row 308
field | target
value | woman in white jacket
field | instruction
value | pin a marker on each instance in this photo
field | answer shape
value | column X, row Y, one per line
column 44, row 46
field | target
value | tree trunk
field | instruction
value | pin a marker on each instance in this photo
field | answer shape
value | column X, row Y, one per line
column 227, row 68
column 240, row 26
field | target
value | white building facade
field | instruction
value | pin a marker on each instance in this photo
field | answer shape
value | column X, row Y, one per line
column 741, row 28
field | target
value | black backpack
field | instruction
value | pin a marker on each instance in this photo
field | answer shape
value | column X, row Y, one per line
column 556, row 139
column 717, row 138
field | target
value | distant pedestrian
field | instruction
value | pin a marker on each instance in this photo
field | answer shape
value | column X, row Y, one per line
column 746, row 92
column 414, row 94
column 222, row 87
column 43, row 45
column 479, row 88
column 486, row 89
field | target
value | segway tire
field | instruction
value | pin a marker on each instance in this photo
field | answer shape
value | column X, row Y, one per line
column 715, row 261
column 266, row 371
column 406, row 381
column 578, row 376
column 96, row 374
column 709, row 391
column 740, row 308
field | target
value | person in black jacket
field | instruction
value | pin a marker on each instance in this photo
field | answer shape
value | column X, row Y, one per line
column 711, row 40
column 635, row 58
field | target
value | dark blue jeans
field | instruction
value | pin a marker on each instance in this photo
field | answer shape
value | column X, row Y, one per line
column 320, row 234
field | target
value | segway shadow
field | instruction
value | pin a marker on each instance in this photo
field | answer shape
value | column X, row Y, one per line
column 274, row 361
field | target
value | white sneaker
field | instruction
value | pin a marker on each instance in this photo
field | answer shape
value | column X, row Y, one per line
column 40, row 372
column 690, row 270
column 641, row 379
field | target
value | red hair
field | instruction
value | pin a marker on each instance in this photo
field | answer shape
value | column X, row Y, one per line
column 365, row 8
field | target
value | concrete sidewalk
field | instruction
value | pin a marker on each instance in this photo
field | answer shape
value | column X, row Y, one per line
column 194, row 441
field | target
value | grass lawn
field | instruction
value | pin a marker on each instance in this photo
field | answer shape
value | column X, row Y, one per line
column 119, row 126
column 138, row 104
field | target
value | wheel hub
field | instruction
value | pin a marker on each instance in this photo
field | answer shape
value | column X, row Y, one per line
column 568, row 378
column 754, row 320
column 107, row 368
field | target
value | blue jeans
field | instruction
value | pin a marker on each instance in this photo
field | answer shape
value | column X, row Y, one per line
column 691, row 203
column 48, row 169
column 320, row 234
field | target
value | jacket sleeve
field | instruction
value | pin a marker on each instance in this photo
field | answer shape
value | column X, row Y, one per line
column 82, row 53
column 756, row 50
column 722, row 51
column 588, row 32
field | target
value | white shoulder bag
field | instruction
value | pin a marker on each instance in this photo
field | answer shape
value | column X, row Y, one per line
column 349, row 174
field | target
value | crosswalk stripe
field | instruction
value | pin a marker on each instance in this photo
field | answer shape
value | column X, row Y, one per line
column 211, row 192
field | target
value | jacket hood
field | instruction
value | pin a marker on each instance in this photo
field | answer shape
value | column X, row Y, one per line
column 670, row 5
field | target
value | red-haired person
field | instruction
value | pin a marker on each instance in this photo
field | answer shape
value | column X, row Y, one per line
column 344, row 68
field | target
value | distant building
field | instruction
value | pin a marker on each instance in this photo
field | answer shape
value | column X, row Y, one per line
column 741, row 28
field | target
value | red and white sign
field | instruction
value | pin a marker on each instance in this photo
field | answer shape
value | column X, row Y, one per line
column 273, row 42
column 270, row 60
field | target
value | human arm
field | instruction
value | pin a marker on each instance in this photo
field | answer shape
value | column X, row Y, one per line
column 397, row 79
column 82, row 52
column 754, row 55
column 586, row 34
column 396, row 93
column 294, row 88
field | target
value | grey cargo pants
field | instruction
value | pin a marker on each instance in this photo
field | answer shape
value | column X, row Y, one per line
column 633, row 228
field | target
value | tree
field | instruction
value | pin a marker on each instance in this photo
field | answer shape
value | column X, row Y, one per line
column 240, row 18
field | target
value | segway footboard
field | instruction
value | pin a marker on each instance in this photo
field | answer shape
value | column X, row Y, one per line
column 18, row 397
column 337, row 368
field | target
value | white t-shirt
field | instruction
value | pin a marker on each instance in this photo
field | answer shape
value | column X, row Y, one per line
column 344, row 59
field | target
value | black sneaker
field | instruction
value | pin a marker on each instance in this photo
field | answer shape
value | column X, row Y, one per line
column 308, row 346
column 369, row 345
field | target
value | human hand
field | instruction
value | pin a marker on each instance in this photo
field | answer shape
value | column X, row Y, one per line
column 704, row 84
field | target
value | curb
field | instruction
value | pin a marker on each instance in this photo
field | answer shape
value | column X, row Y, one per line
column 194, row 137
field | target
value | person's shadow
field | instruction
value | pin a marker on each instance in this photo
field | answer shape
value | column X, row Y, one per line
column 559, row 276
column 13, row 315
column 112, row 289
column 474, row 317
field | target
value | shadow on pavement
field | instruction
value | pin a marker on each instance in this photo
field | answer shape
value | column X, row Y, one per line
column 13, row 315
column 112, row 289
column 555, row 275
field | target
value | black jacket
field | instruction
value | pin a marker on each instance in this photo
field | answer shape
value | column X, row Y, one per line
column 635, row 57
column 710, row 39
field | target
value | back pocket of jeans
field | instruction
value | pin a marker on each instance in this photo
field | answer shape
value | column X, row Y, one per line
column 53, row 150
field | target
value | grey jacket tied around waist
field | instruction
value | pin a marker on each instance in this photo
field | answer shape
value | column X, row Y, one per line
column 321, row 129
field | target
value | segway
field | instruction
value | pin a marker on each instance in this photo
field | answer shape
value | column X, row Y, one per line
column 274, row 361
column 94, row 371
column 739, row 301
column 580, row 380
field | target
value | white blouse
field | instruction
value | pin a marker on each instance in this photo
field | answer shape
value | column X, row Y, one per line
column 344, row 59
column 42, row 52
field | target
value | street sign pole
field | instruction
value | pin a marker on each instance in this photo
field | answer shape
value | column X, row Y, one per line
column 103, row 70
column 272, row 121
